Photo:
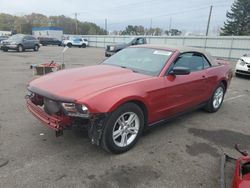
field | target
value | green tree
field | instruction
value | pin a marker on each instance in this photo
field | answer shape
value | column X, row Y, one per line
column 174, row 32
column 238, row 19
column 6, row 22
column 24, row 24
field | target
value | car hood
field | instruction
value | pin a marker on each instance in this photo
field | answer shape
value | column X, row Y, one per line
column 14, row 40
column 246, row 59
column 119, row 45
column 66, row 40
column 79, row 83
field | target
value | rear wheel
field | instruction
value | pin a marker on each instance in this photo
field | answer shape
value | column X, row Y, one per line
column 36, row 48
column 216, row 100
column 20, row 48
column 123, row 128
column 5, row 50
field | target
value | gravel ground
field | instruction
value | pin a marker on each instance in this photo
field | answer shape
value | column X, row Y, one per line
column 184, row 153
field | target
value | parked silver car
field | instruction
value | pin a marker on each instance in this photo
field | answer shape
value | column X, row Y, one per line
column 20, row 43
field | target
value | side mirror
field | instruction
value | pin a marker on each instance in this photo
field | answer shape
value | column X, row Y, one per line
column 244, row 55
column 180, row 71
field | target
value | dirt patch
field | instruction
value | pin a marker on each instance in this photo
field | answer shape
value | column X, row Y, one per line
column 201, row 148
column 222, row 137
column 126, row 176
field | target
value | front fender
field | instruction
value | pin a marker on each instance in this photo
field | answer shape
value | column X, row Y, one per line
column 110, row 100
column 128, row 99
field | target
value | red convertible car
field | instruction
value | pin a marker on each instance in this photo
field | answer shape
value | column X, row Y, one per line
column 138, row 87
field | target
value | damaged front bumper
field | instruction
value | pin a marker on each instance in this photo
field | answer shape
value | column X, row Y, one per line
column 54, row 122
column 95, row 124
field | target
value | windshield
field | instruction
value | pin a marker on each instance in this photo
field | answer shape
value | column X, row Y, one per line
column 16, row 37
column 143, row 60
column 129, row 40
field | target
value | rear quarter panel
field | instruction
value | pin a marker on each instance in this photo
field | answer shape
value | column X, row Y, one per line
column 222, row 72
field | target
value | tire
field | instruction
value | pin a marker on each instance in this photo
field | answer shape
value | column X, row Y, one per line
column 69, row 45
column 20, row 48
column 36, row 48
column 5, row 50
column 216, row 99
column 127, row 134
column 237, row 75
column 83, row 46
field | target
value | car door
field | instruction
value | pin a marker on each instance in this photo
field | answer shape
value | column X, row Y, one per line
column 77, row 41
column 185, row 91
column 29, row 42
column 26, row 42
column 32, row 41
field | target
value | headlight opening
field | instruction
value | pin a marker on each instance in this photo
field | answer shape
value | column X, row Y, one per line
column 76, row 110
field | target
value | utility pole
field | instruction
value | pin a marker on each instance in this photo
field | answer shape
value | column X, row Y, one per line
column 209, row 17
column 20, row 27
column 76, row 23
column 106, row 26
column 170, row 23
column 151, row 23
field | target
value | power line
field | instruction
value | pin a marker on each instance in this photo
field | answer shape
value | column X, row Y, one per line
column 164, row 15
column 170, row 14
column 130, row 4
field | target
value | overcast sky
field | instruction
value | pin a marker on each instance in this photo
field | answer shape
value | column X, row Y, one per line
column 188, row 15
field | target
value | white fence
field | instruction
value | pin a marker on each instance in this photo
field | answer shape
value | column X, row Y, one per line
column 223, row 47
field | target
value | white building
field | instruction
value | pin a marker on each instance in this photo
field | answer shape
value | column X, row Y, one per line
column 5, row 33
column 51, row 32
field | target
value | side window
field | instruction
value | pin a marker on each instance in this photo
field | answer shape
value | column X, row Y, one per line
column 29, row 38
column 193, row 61
column 206, row 63
column 26, row 38
column 140, row 41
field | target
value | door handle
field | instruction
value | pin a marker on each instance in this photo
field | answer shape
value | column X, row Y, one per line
column 203, row 76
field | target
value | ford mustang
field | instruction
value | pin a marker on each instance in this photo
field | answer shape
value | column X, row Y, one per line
column 136, row 88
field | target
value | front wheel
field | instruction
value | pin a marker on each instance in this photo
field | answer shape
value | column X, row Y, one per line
column 237, row 74
column 83, row 46
column 69, row 45
column 123, row 128
column 216, row 100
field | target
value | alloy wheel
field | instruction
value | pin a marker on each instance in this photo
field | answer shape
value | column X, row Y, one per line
column 218, row 97
column 126, row 129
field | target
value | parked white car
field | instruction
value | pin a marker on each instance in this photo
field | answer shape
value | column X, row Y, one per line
column 243, row 66
column 76, row 41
